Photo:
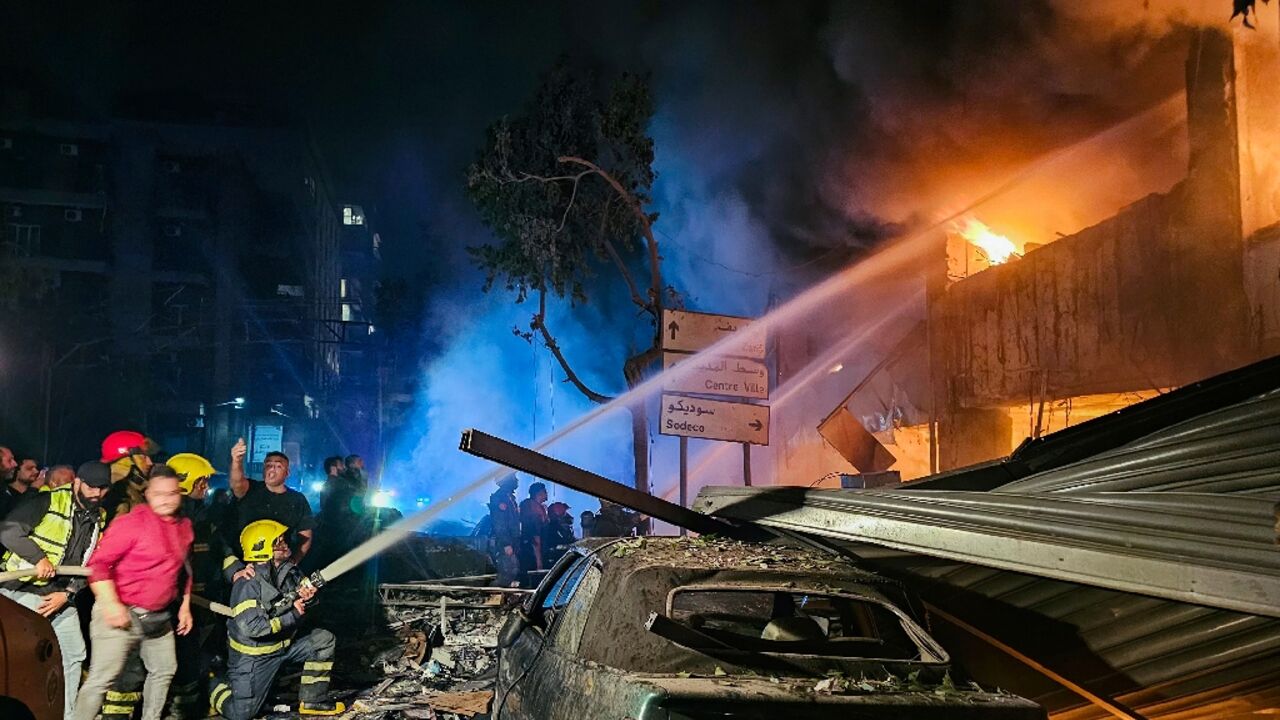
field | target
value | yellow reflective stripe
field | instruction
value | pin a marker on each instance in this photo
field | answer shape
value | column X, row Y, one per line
column 315, row 665
column 313, row 679
column 258, row 649
column 199, row 547
column 245, row 606
column 220, row 695
column 126, row 710
column 275, row 625
column 114, row 695
column 228, row 561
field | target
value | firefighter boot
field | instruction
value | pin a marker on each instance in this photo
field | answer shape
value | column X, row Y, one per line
column 317, row 666
column 321, row 708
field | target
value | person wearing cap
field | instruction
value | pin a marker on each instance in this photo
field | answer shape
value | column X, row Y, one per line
column 59, row 527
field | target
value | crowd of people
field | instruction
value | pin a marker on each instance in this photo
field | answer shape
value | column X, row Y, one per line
column 160, row 551
column 528, row 537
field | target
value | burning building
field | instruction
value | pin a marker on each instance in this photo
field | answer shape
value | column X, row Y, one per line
column 1020, row 338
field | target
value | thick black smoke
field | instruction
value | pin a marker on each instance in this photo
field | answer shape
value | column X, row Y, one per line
column 792, row 138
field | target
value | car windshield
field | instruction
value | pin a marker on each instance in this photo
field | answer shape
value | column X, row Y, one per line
column 785, row 621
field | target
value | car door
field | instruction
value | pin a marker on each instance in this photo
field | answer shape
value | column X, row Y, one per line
column 520, row 684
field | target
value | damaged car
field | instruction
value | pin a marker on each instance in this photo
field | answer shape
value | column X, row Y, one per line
column 689, row 628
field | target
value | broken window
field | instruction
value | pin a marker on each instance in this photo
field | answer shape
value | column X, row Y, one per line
column 573, row 617
column 783, row 621
column 555, row 600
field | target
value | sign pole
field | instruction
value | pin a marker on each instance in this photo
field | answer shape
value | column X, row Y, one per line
column 746, row 464
column 684, row 476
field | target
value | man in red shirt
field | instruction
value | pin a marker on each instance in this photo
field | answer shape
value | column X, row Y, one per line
column 134, row 574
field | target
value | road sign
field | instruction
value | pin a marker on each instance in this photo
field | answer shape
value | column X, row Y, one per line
column 735, row 377
column 684, row 331
column 714, row 419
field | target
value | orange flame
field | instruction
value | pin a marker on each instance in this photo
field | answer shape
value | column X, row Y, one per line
column 998, row 248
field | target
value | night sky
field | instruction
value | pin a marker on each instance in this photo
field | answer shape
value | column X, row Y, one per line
column 789, row 135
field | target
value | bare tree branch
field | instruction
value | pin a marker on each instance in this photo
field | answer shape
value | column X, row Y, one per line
column 626, row 275
column 655, row 261
column 572, row 196
column 539, row 323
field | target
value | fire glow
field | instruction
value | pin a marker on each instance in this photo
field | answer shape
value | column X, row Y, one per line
column 998, row 248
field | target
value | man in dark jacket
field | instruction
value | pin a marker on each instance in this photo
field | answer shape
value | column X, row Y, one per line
column 559, row 533
column 263, row 637
column 47, row 529
column 504, row 517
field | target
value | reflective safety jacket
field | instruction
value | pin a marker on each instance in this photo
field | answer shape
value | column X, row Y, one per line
column 53, row 532
column 253, row 629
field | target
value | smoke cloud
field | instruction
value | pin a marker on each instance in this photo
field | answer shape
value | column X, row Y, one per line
column 792, row 140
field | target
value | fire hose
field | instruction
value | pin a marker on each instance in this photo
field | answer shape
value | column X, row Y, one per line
column 81, row 571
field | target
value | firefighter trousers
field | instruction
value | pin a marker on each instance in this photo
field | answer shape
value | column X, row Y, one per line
column 125, row 694
column 250, row 677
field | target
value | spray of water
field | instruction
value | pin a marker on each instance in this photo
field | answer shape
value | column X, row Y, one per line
column 901, row 259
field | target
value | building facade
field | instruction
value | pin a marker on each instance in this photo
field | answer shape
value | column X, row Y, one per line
column 184, row 280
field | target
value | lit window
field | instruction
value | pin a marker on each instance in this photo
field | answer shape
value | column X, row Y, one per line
column 352, row 215
column 347, row 314
column 342, row 287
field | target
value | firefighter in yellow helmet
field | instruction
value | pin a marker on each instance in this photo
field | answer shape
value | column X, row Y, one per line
column 268, row 606
column 188, row 696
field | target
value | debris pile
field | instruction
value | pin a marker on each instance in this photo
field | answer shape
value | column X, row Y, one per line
column 443, row 659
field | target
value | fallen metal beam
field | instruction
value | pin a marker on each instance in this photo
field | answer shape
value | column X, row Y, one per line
column 1107, row 704
column 496, row 449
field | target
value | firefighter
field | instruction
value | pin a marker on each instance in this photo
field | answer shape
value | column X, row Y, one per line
column 187, row 698
column 262, row 638
column 504, row 517
column 129, row 455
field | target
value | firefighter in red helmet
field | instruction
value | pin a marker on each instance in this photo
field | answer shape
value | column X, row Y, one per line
column 129, row 454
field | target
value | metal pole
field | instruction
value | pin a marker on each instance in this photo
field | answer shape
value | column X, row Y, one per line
column 684, row 476
column 746, row 464
column 483, row 445
column 1107, row 704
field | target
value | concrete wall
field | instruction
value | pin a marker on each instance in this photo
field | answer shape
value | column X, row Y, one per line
column 1155, row 296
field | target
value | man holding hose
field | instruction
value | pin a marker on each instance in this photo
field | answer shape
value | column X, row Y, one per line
column 59, row 527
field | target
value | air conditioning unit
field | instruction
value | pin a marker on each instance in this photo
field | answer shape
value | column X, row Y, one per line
column 173, row 167
column 6, row 143
column 173, row 231
column 72, row 215
column 69, row 149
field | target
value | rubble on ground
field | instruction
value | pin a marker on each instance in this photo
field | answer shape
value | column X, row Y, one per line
column 441, row 657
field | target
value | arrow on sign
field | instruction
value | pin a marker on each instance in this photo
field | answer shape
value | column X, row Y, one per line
column 673, row 327
column 756, row 424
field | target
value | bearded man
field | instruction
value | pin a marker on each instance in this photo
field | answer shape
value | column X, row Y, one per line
column 59, row 527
